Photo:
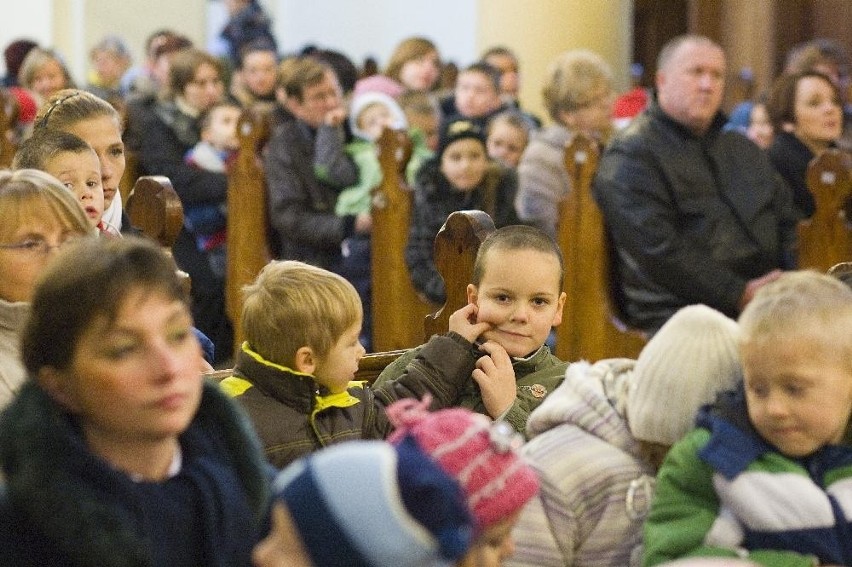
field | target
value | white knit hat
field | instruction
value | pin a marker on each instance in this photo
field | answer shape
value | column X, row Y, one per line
column 692, row 358
column 361, row 101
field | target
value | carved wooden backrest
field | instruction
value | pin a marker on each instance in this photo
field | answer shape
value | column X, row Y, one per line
column 154, row 207
column 456, row 245
column 248, row 233
column 825, row 239
column 591, row 328
column 397, row 309
column 8, row 119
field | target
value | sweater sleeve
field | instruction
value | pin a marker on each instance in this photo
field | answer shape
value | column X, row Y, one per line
column 441, row 367
column 332, row 164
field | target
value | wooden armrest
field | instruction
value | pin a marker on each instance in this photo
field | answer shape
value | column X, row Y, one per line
column 825, row 239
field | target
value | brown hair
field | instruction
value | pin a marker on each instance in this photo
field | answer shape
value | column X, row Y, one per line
column 302, row 73
column 575, row 79
column 781, row 104
column 44, row 145
column 69, row 106
column 87, row 280
column 516, row 237
column 292, row 304
column 185, row 64
column 408, row 50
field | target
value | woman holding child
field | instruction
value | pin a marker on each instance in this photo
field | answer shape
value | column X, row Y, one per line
column 164, row 131
column 116, row 452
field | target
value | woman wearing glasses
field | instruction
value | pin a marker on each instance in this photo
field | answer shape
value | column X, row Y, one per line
column 37, row 215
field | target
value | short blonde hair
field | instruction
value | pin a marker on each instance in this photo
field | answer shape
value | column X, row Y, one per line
column 26, row 194
column 292, row 304
column 575, row 79
column 803, row 303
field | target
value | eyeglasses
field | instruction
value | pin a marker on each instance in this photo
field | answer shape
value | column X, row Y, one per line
column 36, row 246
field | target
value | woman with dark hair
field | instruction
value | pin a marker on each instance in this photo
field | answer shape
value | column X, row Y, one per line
column 806, row 111
column 164, row 130
column 116, row 452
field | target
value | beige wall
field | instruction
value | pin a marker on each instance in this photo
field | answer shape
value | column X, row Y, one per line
column 79, row 24
column 538, row 30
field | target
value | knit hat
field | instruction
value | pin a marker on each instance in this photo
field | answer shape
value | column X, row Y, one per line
column 482, row 456
column 458, row 130
column 362, row 101
column 378, row 84
column 370, row 504
column 692, row 357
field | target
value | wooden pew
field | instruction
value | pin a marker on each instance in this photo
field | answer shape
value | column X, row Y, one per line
column 397, row 323
column 154, row 207
column 825, row 239
column 8, row 123
column 248, row 230
column 397, row 308
column 591, row 328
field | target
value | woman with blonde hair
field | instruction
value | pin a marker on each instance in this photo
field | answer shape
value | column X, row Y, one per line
column 37, row 216
column 578, row 96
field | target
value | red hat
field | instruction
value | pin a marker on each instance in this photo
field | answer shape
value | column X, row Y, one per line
column 480, row 454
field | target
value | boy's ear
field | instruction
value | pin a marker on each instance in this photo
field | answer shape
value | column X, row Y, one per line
column 560, row 304
column 55, row 383
column 472, row 294
column 305, row 360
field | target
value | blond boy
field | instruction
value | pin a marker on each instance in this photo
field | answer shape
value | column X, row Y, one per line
column 766, row 475
column 294, row 373
column 497, row 340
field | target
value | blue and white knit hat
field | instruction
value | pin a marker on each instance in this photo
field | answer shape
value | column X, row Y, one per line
column 370, row 504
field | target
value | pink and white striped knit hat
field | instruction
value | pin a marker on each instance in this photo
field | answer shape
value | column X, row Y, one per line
column 480, row 454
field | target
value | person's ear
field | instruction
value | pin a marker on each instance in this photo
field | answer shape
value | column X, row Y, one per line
column 560, row 305
column 56, row 384
column 305, row 361
column 472, row 294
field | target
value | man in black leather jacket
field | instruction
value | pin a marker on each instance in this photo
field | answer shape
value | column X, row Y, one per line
column 695, row 214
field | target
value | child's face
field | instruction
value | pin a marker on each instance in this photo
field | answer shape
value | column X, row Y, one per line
column 374, row 119
column 506, row 143
column 476, row 95
column 522, row 305
column 798, row 391
column 337, row 368
column 464, row 163
column 426, row 123
column 48, row 79
column 221, row 133
column 81, row 174
column 493, row 546
column 760, row 130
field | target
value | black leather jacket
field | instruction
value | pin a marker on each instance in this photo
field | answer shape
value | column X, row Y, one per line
column 691, row 218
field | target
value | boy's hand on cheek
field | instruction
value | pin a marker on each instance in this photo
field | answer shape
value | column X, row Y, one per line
column 496, row 379
column 464, row 323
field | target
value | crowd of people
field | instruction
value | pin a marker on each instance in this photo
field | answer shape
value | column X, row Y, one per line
column 728, row 436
